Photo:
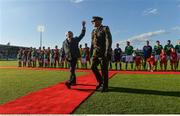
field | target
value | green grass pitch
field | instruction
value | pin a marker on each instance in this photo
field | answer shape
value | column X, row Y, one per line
column 128, row 93
column 15, row 83
column 136, row 94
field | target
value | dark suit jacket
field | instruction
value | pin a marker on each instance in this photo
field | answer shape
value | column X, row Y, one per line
column 71, row 49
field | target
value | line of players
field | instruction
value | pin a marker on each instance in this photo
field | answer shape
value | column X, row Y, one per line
column 150, row 57
column 29, row 57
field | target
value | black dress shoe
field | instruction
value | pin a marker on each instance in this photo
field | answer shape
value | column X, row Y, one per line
column 73, row 84
column 68, row 85
column 99, row 85
column 104, row 90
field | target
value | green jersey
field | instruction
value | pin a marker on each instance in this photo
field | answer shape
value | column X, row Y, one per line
column 158, row 49
column 52, row 54
column 19, row 56
column 45, row 56
column 83, row 54
column 34, row 54
column 167, row 48
column 128, row 50
column 41, row 56
column 177, row 48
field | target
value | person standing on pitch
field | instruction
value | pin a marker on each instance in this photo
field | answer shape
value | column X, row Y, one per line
column 117, row 56
column 71, row 50
column 129, row 55
column 157, row 49
column 147, row 52
column 177, row 48
column 101, row 42
column 167, row 49
column 87, row 49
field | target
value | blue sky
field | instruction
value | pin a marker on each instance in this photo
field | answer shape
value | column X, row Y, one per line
column 133, row 20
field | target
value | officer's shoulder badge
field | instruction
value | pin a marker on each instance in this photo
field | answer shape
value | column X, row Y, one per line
column 106, row 28
column 93, row 30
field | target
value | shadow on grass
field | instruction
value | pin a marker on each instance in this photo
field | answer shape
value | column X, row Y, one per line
column 84, row 90
column 84, row 87
column 144, row 91
column 86, row 84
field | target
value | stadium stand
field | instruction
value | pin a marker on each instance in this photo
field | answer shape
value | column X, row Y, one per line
column 9, row 52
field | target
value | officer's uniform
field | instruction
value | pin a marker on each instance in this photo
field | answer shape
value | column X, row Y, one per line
column 71, row 50
column 100, row 50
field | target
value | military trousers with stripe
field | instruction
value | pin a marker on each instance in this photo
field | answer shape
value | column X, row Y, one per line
column 103, row 76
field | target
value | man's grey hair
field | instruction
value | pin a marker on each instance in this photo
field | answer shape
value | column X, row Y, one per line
column 68, row 32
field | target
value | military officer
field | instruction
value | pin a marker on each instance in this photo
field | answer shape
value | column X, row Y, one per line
column 71, row 50
column 100, row 52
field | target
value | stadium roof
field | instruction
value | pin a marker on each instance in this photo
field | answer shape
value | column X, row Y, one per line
column 3, row 45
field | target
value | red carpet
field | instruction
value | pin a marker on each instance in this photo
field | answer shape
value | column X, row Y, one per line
column 53, row 100
column 58, row 99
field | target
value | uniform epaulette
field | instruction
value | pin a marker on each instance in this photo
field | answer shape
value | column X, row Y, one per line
column 106, row 28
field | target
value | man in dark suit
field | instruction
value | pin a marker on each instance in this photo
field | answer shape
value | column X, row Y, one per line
column 71, row 50
column 147, row 50
column 101, row 52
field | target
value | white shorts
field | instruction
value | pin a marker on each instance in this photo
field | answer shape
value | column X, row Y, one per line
column 168, row 58
column 129, row 58
column 33, row 59
column 24, row 60
column 20, row 60
column 45, row 60
column 157, row 57
column 52, row 60
column 29, row 60
column 83, row 60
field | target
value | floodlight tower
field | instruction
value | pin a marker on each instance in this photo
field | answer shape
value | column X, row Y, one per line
column 40, row 29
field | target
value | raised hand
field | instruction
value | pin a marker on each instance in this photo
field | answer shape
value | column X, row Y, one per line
column 83, row 23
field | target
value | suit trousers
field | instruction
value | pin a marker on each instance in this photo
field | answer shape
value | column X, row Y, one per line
column 72, row 64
